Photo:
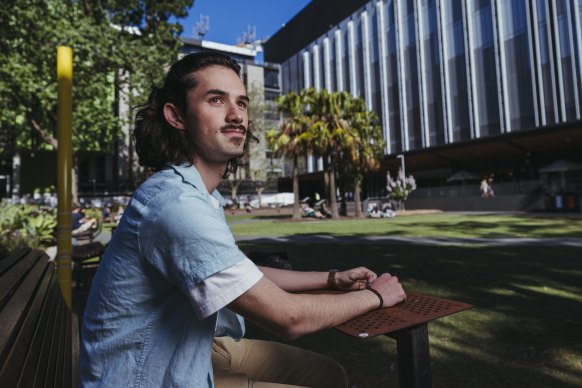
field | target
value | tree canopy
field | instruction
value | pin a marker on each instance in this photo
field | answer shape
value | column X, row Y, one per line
column 114, row 43
column 335, row 126
column 292, row 139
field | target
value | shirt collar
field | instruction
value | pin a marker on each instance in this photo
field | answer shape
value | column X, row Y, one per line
column 190, row 175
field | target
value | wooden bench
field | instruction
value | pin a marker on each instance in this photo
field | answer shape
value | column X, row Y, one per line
column 86, row 259
column 90, row 234
column 39, row 335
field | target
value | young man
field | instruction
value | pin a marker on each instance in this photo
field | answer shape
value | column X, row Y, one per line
column 173, row 278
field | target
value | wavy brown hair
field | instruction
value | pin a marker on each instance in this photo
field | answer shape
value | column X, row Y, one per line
column 157, row 143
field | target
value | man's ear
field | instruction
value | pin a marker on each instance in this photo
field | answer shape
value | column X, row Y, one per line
column 173, row 116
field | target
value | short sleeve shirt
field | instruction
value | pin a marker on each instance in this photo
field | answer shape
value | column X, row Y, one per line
column 140, row 327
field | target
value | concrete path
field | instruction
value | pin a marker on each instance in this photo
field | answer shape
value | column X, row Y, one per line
column 326, row 239
column 105, row 236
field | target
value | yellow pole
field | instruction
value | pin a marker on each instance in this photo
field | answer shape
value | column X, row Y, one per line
column 65, row 166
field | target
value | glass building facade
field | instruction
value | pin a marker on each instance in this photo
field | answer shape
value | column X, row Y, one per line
column 446, row 71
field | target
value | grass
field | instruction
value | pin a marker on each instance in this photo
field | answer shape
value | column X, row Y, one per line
column 435, row 225
column 524, row 330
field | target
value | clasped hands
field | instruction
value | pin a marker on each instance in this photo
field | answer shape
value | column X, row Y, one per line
column 359, row 278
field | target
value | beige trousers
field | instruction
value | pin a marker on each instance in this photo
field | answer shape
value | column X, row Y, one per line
column 266, row 364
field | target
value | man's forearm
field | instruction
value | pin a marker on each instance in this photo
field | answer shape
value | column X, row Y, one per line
column 294, row 315
column 293, row 281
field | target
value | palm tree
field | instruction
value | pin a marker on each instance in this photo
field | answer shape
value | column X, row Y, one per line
column 329, row 132
column 292, row 139
column 368, row 144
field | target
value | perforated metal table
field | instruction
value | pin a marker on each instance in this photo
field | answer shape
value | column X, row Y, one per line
column 406, row 322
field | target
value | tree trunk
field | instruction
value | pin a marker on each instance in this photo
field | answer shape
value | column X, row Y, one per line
column 296, row 210
column 260, row 196
column 48, row 138
column 357, row 197
column 343, row 203
column 332, row 194
column 325, row 178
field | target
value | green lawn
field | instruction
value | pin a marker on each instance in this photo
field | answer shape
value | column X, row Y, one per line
column 435, row 225
column 524, row 330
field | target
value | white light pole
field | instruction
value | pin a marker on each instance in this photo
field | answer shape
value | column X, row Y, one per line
column 402, row 165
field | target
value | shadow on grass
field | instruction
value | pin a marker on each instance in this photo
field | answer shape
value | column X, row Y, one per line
column 523, row 331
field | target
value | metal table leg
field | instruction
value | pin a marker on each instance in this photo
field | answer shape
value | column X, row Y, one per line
column 413, row 356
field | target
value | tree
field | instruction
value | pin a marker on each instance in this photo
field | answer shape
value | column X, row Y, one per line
column 113, row 43
column 330, row 133
column 292, row 138
column 365, row 152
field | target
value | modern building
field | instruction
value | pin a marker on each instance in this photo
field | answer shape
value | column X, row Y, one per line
column 490, row 87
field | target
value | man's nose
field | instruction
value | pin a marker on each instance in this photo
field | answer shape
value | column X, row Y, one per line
column 234, row 115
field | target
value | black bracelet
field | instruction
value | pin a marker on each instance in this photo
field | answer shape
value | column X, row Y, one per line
column 378, row 295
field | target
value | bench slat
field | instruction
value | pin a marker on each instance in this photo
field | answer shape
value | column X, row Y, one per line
column 35, row 363
column 17, row 308
column 38, row 333
column 13, row 258
column 13, row 274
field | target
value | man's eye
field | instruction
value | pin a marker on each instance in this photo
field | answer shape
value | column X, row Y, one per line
column 216, row 99
column 242, row 104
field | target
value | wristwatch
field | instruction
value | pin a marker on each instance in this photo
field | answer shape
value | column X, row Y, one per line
column 331, row 283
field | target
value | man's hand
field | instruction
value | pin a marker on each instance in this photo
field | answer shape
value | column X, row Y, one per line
column 390, row 288
column 354, row 279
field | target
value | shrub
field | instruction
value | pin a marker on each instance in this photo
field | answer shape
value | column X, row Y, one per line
column 25, row 225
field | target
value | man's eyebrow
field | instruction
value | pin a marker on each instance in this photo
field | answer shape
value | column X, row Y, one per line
column 224, row 93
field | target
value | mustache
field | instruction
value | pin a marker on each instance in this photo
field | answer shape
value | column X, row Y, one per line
column 233, row 126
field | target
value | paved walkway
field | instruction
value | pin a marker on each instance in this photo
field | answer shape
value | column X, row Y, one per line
column 326, row 239
column 105, row 236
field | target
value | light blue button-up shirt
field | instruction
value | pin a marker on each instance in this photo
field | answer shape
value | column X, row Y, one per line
column 139, row 328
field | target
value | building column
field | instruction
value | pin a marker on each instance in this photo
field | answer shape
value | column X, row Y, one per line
column 316, row 68
column 422, row 76
column 306, row 70
column 307, row 85
column 537, row 60
column 578, row 32
column 382, row 46
column 352, row 58
column 560, row 81
column 573, row 57
column 499, row 46
column 532, row 59
column 398, row 24
column 317, row 86
column 470, row 65
column 550, row 54
column 326, row 64
column 445, row 77
column 366, row 59
column 339, row 63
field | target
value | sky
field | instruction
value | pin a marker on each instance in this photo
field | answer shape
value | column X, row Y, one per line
column 229, row 19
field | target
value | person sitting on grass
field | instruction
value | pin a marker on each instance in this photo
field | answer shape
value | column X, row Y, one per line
column 81, row 223
column 308, row 211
